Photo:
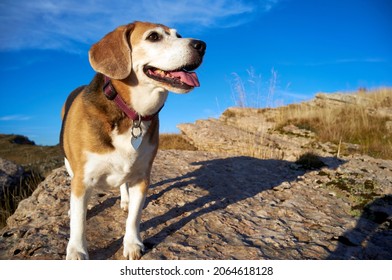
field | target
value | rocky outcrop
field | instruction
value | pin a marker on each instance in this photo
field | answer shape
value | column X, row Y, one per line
column 249, row 132
column 212, row 206
column 381, row 108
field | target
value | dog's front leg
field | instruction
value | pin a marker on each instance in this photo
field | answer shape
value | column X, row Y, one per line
column 77, row 245
column 133, row 245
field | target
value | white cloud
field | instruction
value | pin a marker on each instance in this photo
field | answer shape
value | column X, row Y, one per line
column 15, row 118
column 63, row 24
column 347, row 60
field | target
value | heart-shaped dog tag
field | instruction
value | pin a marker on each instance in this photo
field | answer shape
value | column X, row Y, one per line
column 137, row 135
column 136, row 141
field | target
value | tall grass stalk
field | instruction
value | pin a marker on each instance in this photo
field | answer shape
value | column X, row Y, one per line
column 271, row 88
column 238, row 91
column 252, row 92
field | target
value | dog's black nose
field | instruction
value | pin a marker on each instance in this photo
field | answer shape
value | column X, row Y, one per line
column 199, row 46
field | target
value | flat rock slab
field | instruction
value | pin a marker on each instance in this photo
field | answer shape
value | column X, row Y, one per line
column 209, row 206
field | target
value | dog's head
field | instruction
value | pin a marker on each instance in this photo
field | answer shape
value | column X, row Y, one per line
column 152, row 54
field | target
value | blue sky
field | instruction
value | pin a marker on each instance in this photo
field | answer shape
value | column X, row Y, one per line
column 275, row 51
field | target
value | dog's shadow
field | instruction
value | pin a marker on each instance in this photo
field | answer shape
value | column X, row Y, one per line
column 227, row 181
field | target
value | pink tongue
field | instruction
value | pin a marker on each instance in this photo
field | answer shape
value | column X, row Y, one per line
column 189, row 78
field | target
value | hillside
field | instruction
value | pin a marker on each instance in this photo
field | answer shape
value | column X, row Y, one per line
column 23, row 151
column 262, row 184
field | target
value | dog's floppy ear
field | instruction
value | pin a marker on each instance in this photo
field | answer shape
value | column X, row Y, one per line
column 111, row 56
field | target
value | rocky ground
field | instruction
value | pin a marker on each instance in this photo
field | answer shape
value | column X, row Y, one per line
column 242, row 195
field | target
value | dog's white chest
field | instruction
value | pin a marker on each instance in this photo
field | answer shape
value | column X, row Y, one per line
column 122, row 164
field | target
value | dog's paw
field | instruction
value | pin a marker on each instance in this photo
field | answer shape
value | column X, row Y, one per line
column 133, row 251
column 74, row 253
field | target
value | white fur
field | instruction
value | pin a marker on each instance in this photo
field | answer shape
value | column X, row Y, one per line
column 133, row 245
column 77, row 245
column 68, row 167
column 124, row 197
column 118, row 167
column 149, row 96
column 176, row 54
column 149, row 99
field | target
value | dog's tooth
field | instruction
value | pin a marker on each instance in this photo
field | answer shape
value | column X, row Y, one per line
column 160, row 72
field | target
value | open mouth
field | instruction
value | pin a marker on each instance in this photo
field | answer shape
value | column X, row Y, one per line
column 178, row 78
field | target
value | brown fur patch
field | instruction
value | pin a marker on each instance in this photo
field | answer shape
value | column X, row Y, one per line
column 143, row 186
column 112, row 54
column 77, row 186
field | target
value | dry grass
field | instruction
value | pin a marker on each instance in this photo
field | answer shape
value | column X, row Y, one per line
column 12, row 196
column 359, row 123
column 174, row 142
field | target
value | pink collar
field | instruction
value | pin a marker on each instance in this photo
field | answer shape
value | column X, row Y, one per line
column 111, row 94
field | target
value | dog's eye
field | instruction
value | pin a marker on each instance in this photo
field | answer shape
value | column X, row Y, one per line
column 153, row 37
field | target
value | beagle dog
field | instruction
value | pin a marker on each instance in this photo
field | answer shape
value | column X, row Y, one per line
column 110, row 127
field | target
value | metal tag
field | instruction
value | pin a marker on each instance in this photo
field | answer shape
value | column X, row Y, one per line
column 136, row 132
column 136, row 141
